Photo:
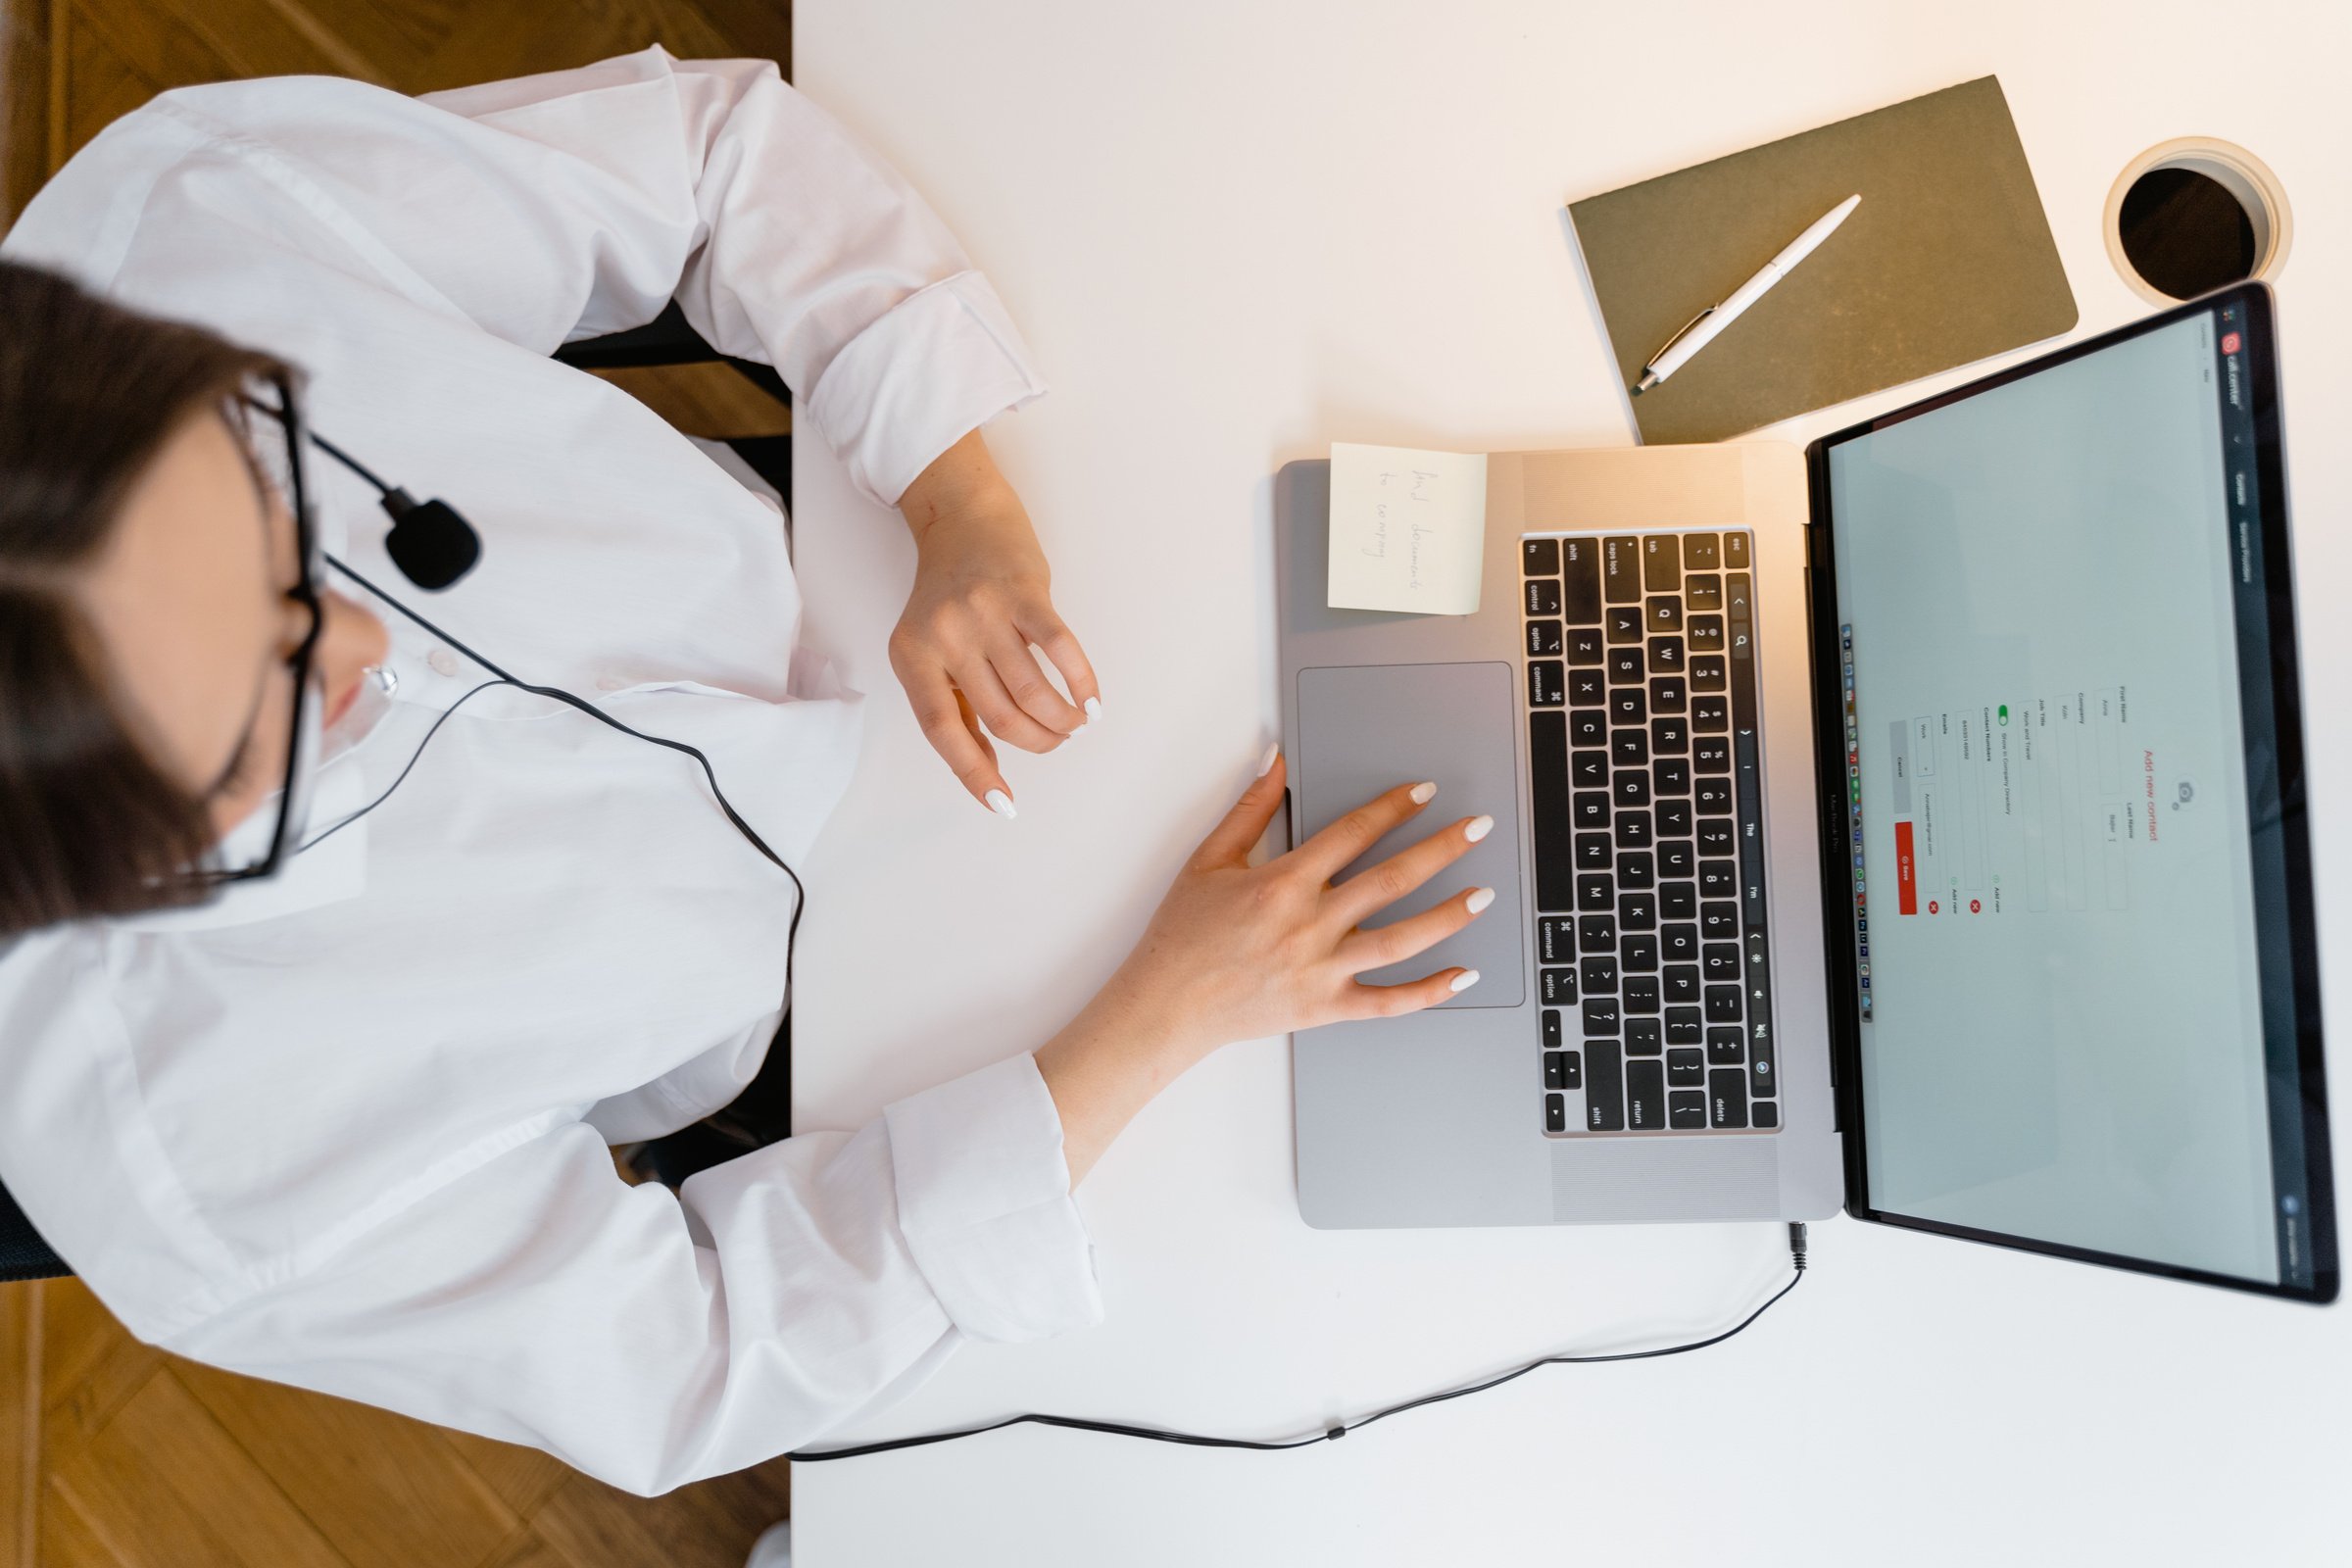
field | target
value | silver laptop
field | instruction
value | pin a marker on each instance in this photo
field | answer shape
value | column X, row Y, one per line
column 1911, row 824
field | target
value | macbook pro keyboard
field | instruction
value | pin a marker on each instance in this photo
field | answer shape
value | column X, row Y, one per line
column 1652, row 963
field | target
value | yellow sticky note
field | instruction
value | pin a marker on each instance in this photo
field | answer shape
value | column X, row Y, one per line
column 1409, row 529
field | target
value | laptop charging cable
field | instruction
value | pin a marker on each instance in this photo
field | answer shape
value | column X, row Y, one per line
column 1331, row 1434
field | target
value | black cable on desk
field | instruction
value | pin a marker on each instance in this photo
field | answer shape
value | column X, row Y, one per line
column 1796, row 1258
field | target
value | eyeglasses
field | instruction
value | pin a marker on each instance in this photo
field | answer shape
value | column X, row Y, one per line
column 269, row 415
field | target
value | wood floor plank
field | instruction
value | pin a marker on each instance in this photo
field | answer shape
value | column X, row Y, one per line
column 90, row 1367
column 20, row 1424
column 387, row 1492
column 97, row 84
column 492, row 41
column 171, row 1489
column 520, row 1478
column 70, row 1541
column 600, row 1526
column 23, row 104
column 706, row 400
column 152, row 44
column 535, row 1551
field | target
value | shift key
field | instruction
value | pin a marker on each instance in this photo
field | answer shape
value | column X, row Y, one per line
column 1605, row 1087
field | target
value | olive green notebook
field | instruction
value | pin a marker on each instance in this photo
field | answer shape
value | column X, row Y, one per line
column 1947, row 260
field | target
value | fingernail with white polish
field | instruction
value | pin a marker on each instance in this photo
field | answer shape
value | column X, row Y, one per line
column 1478, row 827
column 1422, row 793
column 1094, row 708
column 1001, row 804
column 1265, row 763
column 1465, row 980
column 1480, row 899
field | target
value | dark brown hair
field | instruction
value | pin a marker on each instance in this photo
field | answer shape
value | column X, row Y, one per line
column 90, row 824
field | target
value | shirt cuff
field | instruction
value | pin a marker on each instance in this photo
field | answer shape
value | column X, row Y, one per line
column 941, row 363
column 984, row 1202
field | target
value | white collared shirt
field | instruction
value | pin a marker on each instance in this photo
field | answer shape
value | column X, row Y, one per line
column 348, row 1130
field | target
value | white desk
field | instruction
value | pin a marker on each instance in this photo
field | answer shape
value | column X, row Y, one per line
column 1235, row 229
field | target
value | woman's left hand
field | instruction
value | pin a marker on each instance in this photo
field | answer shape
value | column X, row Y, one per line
column 962, row 650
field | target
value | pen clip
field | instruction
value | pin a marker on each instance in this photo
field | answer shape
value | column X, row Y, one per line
column 1680, row 333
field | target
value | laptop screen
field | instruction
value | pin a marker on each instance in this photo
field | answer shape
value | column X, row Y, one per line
column 2074, row 911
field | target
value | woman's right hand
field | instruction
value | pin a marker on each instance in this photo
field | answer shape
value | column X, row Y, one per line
column 1236, row 952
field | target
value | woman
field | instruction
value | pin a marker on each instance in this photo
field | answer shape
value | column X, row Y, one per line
column 328, row 1095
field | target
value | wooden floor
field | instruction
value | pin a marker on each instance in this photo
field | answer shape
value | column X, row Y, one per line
column 112, row 1456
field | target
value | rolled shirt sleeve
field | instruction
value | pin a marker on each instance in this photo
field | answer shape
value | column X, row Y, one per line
column 570, row 205
column 652, row 1340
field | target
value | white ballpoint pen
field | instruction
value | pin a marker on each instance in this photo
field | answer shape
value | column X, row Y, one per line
column 1702, row 327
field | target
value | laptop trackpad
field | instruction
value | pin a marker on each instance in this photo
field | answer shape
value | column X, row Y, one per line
column 1364, row 729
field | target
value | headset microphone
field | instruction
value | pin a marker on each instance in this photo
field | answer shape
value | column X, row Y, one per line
column 430, row 542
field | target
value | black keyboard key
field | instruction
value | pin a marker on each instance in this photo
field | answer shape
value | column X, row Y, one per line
column 1572, row 1069
column 1678, row 859
column 1641, row 1036
column 1719, row 962
column 1718, row 879
column 1627, row 666
column 1665, row 656
column 1710, row 715
column 1669, row 737
column 1711, row 753
column 1639, row 996
column 1679, row 943
column 1706, row 634
column 1628, row 705
column 1545, row 683
column 1702, row 591
column 1556, row 988
column 1551, row 1031
column 1555, row 938
column 1738, row 601
column 1661, row 563
column 1765, row 1113
column 1597, row 933
column 1594, row 852
column 1684, row 1026
column 1708, row 673
column 1719, row 922
column 1621, row 570
column 1598, row 975
column 1604, row 1088
column 1549, row 806
column 1715, row 837
column 1735, row 551
column 1590, row 808
column 1601, row 1018
column 1727, row 1099
column 1629, row 748
column 1678, row 901
column 1596, row 893
column 1543, row 639
column 1623, row 624
column 1633, row 830
column 1714, row 797
column 1638, row 912
column 1669, row 694
column 1674, row 819
column 1555, row 1113
column 1682, row 983
column 1634, row 871
column 1760, row 1075
column 1723, row 1004
column 1555, row 1069
column 1663, row 616
column 1644, row 1096
column 1638, row 953
column 1539, row 557
column 1585, row 646
column 1587, row 688
column 1580, row 581
column 1686, row 1067
column 1670, row 775
column 1725, row 1046
column 1701, row 552
column 1543, row 595
column 1589, row 770
column 1685, row 1110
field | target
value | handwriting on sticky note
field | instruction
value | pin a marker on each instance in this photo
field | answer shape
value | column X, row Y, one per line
column 1409, row 529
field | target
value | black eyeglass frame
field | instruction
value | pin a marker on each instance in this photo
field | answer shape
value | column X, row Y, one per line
column 304, row 592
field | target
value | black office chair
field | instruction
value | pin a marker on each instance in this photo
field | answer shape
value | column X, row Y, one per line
column 665, row 341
